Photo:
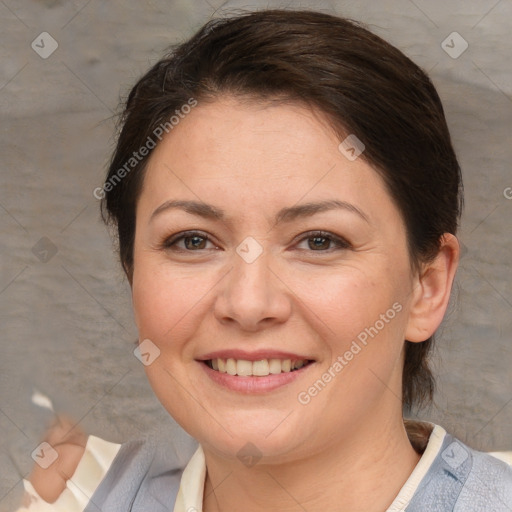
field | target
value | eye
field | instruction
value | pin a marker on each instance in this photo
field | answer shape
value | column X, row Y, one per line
column 321, row 241
column 193, row 241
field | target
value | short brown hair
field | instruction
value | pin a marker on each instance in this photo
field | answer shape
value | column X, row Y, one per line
column 364, row 86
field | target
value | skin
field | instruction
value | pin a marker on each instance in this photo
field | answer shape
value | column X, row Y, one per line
column 347, row 449
column 348, row 445
column 69, row 441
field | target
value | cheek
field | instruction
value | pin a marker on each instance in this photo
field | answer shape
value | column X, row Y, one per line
column 160, row 300
column 346, row 301
column 361, row 324
column 170, row 304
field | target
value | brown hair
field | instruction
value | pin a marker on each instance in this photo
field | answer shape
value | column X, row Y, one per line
column 364, row 86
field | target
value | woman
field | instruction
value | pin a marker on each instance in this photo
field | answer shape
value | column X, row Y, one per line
column 286, row 198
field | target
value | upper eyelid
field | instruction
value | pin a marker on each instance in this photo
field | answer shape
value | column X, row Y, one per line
column 320, row 232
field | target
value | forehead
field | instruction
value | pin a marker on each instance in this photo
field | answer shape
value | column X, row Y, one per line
column 249, row 154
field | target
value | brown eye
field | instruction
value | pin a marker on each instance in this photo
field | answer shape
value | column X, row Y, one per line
column 192, row 242
column 321, row 241
column 318, row 242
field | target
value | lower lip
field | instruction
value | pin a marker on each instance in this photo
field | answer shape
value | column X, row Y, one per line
column 250, row 385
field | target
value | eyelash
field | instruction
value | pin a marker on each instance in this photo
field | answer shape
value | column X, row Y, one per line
column 340, row 243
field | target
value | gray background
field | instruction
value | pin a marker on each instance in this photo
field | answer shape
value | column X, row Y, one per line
column 66, row 319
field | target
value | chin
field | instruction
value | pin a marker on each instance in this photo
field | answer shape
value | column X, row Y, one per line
column 261, row 440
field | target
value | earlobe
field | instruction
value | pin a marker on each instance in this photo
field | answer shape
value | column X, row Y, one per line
column 431, row 292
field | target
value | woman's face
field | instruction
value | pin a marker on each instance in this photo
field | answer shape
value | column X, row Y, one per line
column 293, row 254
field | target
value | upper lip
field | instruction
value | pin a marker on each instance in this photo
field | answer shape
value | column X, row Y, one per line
column 256, row 355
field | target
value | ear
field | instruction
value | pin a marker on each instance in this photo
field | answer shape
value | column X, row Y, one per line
column 431, row 292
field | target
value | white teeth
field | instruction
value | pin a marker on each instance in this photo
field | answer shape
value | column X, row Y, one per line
column 261, row 368
column 243, row 368
column 231, row 366
column 274, row 366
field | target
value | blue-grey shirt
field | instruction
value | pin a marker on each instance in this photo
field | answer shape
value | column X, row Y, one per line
column 145, row 477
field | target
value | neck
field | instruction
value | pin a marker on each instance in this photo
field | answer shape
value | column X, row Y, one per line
column 365, row 471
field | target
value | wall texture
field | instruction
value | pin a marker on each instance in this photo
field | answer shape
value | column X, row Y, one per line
column 65, row 308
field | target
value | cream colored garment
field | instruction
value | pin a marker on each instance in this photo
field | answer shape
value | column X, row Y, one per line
column 407, row 491
column 93, row 465
column 504, row 456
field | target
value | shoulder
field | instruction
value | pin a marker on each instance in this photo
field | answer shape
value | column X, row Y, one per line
column 462, row 479
column 488, row 485
column 144, row 475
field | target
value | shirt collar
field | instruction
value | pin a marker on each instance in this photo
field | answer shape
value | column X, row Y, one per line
column 191, row 491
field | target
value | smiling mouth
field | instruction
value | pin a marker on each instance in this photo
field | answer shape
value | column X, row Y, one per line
column 261, row 368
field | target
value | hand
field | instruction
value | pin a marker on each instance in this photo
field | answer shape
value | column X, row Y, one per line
column 69, row 441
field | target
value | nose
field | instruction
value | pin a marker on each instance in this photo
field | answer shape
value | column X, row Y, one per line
column 252, row 295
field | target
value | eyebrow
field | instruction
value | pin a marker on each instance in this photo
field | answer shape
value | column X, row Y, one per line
column 287, row 214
